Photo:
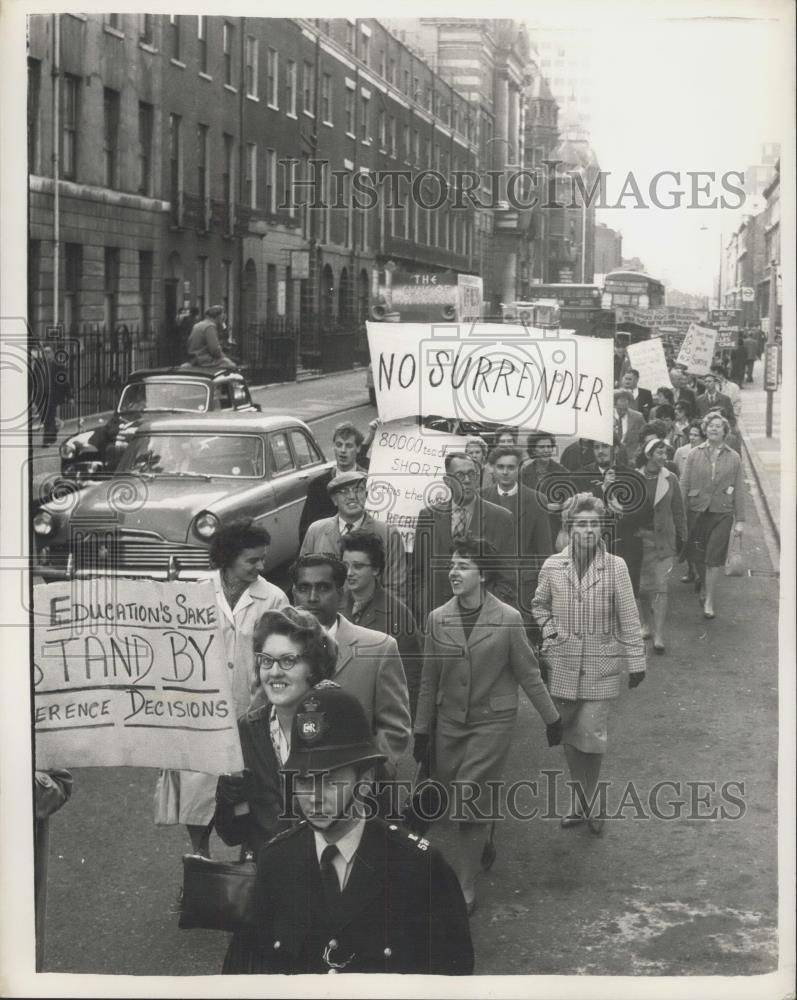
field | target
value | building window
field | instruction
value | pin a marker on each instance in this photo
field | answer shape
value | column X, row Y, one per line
column 326, row 98
column 364, row 123
column 114, row 21
column 251, row 175
column 391, row 75
column 34, row 98
column 73, row 272
column 290, row 87
column 416, row 146
column 350, row 36
column 308, row 89
column 227, row 182
column 145, row 29
column 250, row 70
column 202, row 42
column 382, row 64
column 381, row 128
column 175, row 47
column 145, row 122
column 347, row 212
column 304, row 207
column 176, row 168
column 145, row 288
column 349, row 111
column 226, row 291
column 272, row 78
column 271, row 187
column 228, row 38
column 202, row 285
column 406, row 81
column 203, row 174
column 110, row 114
column 111, row 288
column 392, row 136
column 71, row 101
column 289, row 186
column 365, row 47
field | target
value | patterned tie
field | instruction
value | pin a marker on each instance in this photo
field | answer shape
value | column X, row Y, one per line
column 348, row 529
column 329, row 877
column 458, row 518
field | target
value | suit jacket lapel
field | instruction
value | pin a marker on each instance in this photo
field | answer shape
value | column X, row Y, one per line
column 490, row 615
column 345, row 641
column 451, row 625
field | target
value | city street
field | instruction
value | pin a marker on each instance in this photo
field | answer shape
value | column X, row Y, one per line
column 686, row 896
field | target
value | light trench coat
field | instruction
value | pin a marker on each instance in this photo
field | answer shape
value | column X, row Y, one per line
column 197, row 800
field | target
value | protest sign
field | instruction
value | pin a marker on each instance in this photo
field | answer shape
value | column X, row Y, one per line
column 697, row 349
column 132, row 673
column 530, row 378
column 647, row 357
column 405, row 474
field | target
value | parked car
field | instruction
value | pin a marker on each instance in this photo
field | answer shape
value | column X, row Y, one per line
column 188, row 389
column 177, row 482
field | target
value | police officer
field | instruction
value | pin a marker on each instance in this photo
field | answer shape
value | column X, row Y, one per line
column 342, row 892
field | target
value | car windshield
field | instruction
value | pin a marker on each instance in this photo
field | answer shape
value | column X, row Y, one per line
column 237, row 456
column 140, row 397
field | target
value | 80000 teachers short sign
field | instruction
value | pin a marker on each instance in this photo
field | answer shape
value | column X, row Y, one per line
column 127, row 672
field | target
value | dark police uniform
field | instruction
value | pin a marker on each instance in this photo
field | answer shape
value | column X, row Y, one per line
column 401, row 911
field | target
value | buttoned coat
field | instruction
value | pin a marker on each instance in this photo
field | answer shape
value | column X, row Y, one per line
column 669, row 518
column 718, row 401
column 476, row 680
column 431, row 557
column 724, row 494
column 632, row 437
column 401, row 910
column 369, row 667
column 319, row 504
column 533, row 543
column 590, row 626
column 325, row 536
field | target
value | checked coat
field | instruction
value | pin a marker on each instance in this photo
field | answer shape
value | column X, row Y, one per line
column 590, row 626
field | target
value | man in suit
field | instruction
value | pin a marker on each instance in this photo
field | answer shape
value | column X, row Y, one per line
column 463, row 513
column 341, row 892
column 348, row 492
column 713, row 399
column 369, row 664
column 680, row 390
column 641, row 399
column 531, row 521
column 627, row 424
column 369, row 605
column 351, row 451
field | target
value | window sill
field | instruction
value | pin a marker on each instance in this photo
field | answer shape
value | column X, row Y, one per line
column 328, row 124
column 366, row 142
column 290, row 114
column 178, row 63
column 116, row 32
column 276, row 107
column 351, row 135
column 147, row 47
column 253, row 97
column 78, row 17
column 205, row 76
column 308, row 114
column 229, row 86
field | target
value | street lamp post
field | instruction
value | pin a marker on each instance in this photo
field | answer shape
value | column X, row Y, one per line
column 770, row 362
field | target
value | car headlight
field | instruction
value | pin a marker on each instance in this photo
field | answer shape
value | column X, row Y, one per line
column 43, row 523
column 68, row 450
column 206, row 525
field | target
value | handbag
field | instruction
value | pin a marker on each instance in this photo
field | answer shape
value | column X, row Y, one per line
column 167, row 798
column 217, row 895
column 735, row 564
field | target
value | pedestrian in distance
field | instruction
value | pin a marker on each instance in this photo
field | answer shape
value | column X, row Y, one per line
column 504, row 437
column 713, row 485
column 738, row 361
column 187, row 318
column 641, row 399
column 680, row 389
column 476, row 656
column 662, row 529
column 714, row 399
column 205, row 347
column 292, row 653
column 627, row 424
column 342, row 891
column 752, row 351
column 591, row 632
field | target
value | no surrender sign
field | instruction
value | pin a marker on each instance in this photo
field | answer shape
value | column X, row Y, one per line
column 529, row 378
column 131, row 673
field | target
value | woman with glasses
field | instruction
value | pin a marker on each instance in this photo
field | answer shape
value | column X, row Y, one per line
column 292, row 653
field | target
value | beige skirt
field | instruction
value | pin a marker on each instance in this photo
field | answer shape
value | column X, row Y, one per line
column 586, row 724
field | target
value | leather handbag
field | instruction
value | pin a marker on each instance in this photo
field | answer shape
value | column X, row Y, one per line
column 735, row 563
column 217, row 895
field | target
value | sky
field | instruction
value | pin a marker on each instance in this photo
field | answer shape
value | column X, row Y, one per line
column 685, row 94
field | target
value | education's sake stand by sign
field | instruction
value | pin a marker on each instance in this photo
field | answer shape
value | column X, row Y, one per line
column 131, row 673
column 405, row 474
column 647, row 357
column 697, row 349
column 534, row 379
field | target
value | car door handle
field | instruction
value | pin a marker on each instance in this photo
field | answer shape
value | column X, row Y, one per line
column 304, row 477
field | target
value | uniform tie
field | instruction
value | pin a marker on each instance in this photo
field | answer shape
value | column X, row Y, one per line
column 329, row 877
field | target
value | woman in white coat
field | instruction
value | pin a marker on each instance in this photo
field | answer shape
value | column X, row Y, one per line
column 243, row 596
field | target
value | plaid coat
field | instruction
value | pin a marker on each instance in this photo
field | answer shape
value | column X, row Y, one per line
column 590, row 627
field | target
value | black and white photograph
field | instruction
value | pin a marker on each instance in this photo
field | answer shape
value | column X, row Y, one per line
column 398, row 500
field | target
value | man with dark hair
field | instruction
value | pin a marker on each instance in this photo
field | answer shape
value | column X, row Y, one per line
column 369, row 664
column 531, row 522
column 641, row 399
column 463, row 512
column 204, row 347
column 627, row 424
column 368, row 604
column 351, row 454
column 713, row 399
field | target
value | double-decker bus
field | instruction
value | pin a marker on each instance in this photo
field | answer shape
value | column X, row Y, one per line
column 580, row 308
column 633, row 297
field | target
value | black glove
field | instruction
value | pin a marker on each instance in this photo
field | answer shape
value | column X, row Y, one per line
column 233, row 788
column 420, row 748
column 634, row 680
column 554, row 732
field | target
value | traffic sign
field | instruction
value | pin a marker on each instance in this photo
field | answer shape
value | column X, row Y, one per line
column 748, row 294
column 771, row 367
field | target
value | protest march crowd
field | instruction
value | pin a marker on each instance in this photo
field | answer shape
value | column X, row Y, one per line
column 538, row 569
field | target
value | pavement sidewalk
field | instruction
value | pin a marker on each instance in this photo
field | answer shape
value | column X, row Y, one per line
column 764, row 453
